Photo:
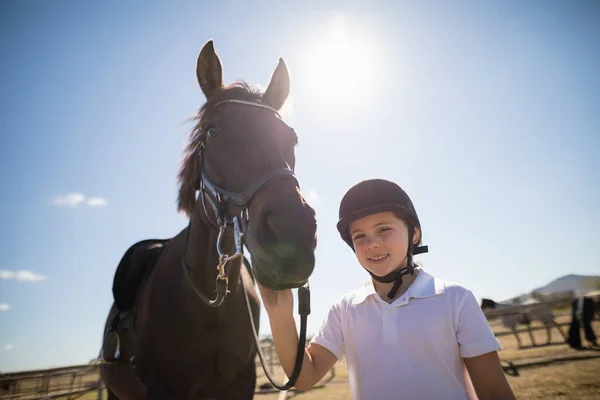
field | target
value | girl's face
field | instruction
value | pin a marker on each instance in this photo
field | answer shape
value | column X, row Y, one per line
column 381, row 242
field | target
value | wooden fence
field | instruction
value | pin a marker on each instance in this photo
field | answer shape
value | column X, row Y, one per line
column 533, row 328
column 71, row 381
column 74, row 381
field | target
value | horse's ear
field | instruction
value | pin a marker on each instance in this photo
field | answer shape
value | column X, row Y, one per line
column 209, row 71
column 279, row 87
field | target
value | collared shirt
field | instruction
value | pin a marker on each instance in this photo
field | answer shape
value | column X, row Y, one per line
column 412, row 348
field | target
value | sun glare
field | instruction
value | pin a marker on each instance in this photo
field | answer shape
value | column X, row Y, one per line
column 341, row 65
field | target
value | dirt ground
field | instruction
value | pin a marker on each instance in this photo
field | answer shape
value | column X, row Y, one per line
column 578, row 377
column 544, row 372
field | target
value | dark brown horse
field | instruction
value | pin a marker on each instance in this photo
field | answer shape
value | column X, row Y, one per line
column 236, row 183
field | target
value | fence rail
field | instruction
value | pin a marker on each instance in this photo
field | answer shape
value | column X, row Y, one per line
column 50, row 383
column 498, row 321
column 524, row 308
column 535, row 328
column 74, row 381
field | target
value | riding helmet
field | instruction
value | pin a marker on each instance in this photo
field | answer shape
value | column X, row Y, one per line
column 379, row 195
column 373, row 196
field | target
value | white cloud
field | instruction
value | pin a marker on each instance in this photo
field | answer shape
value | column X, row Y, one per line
column 4, row 307
column 74, row 199
column 96, row 201
column 22, row 275
column 29, row 276
column 4, row 274
column 70, row 199
column 8, row 347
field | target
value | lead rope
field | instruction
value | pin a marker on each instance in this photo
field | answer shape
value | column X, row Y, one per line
column 304, row 312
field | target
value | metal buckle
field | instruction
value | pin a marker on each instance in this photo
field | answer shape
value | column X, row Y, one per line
column 224, row 258
column 237, row 238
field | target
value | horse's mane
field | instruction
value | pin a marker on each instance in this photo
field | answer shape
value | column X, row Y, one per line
column 188, row 174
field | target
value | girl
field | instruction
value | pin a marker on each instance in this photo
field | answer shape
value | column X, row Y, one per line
column 406, row 334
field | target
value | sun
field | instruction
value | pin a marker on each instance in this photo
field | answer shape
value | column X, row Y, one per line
column 341, row 66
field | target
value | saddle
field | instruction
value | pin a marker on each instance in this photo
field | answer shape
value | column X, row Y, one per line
column 137, row 264
column 135, row 267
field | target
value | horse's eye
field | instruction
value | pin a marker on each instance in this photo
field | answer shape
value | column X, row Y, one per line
column 212, row 132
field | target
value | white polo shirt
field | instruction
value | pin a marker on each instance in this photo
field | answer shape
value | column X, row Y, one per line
column 412, row 348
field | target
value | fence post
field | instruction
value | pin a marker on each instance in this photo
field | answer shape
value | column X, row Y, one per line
column 100, row 386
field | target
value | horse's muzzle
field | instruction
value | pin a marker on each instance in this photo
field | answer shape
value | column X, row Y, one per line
column 283, row 273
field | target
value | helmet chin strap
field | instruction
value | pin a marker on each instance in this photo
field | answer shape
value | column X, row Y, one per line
column 399, row 272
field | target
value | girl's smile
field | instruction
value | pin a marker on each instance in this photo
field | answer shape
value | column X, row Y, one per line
column 378, row 259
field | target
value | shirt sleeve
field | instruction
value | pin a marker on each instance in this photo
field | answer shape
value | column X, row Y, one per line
column 474, row 334
column 330, row 333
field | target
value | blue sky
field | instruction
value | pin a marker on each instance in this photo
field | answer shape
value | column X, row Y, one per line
column 485, row 112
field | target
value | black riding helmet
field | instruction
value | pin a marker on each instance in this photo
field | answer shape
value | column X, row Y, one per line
column 379, row 195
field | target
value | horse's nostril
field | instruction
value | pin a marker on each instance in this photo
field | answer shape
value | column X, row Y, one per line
column 285, row 227
column 276, row 224
column 279, row 235
column 271, row 221
column 287, row 231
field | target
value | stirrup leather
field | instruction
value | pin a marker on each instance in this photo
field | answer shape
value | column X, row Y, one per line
column 111, row 349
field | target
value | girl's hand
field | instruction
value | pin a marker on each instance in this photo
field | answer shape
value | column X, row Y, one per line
column 277, row 302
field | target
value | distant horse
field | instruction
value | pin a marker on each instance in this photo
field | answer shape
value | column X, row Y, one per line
column 524, row 315
column 172, row 340
column 583, row 309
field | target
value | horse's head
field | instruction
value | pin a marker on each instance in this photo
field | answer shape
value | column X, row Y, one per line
column 242, row 146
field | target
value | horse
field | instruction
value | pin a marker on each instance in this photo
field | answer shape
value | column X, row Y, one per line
column 238, row 188
column 583, row 309
column 524, row 315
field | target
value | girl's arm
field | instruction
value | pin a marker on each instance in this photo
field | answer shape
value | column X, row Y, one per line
column 488, row 377
column 317, row 359
column 479, row 349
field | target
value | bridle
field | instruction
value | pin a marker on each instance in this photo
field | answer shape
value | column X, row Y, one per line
column 218, row 198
